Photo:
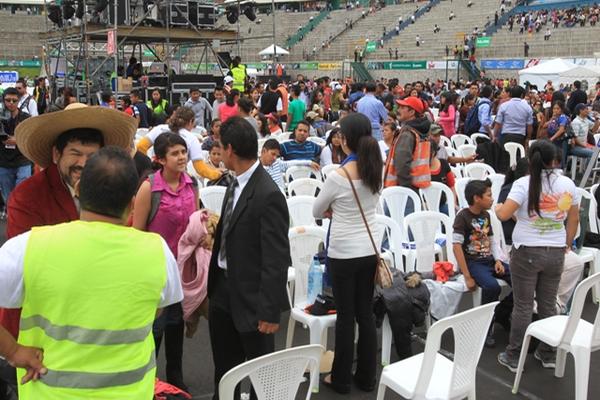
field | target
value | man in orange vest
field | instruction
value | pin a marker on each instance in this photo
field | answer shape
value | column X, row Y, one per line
column 407, row 162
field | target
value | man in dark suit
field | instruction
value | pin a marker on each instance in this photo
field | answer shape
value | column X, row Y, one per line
column 251, row 254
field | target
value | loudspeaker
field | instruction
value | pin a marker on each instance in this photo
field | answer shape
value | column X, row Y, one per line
column 123, row 9
column 224, row 59
column 179, row 13
column 207, row 15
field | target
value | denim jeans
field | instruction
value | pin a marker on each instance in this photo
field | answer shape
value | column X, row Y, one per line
column 11, row 177
column 536, row 273
column 582, row 152
column 485, row 276
column 563, row 146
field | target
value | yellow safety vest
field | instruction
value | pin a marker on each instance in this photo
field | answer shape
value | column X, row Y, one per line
column 91, row 294
column 239, row 77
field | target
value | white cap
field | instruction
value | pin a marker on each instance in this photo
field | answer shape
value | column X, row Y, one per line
column 228, row 79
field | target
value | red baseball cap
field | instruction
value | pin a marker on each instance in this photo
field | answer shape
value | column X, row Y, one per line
column 413, row 102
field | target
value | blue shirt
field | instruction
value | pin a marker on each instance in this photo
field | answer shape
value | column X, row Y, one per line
column 484, row 115
column 293, row 150
column 373, row 109
column 514, row 115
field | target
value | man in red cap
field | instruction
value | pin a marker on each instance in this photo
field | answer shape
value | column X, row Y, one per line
column 407, row 163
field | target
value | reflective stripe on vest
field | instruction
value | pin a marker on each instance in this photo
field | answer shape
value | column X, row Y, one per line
column 161, row 108
column 420, row 170
column 96, row 380
column 91, row 294
column 83, row 335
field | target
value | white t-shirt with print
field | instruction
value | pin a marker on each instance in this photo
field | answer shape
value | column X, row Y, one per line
column 559, row 193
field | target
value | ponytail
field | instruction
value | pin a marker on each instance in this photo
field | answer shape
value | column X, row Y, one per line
column 370, row 164
column 541, row 156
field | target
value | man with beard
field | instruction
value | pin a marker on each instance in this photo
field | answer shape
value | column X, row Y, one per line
column 60, row 143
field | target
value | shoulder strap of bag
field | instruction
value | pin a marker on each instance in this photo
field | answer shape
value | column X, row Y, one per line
column 154, row 200
column 362, row 213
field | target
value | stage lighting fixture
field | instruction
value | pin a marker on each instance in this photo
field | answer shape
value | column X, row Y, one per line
column 232, row 14
column 100, row 6
column 67, row 10
column 80, row 9
column 249, row 12
column 55, row 15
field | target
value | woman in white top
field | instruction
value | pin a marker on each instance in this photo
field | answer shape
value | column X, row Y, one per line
column 350, row 257
column 333, row 153
column 541, row 203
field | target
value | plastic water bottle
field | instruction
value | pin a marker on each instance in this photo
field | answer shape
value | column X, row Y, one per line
column 315, row 280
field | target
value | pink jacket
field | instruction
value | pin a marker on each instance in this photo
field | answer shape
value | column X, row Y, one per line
column 193, row 260
column 446, row 121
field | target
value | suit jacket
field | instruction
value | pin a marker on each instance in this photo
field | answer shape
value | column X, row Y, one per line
column 258, row 254
column 40, row 200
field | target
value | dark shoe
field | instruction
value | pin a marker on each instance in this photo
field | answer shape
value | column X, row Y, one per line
column 341, row 389
column 509, row 362
column 548, row 360
column 362, row 386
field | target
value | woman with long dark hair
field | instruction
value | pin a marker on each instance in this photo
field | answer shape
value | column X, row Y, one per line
column 541, row 203
column 350, row 255
column 333, row 153
column 230, row 107
column 447, row 118
column 556, row 127
column 158, row 106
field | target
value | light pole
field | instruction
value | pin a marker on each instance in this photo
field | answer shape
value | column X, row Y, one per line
column 274, row 44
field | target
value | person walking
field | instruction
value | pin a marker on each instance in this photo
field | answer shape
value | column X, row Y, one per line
column 514, row 119
column 247, row 275
column 91, row 310
column 350, row 255
column 546, row 206
column 168, row 216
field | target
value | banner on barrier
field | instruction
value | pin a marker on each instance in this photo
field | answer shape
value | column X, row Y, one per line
column 502, row 64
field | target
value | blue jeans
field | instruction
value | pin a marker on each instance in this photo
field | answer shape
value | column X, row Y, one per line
column 563, row 146
column 484, row 274
column 582, row 152
column 11, row 177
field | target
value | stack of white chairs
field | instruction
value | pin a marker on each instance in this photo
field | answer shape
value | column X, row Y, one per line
column 326, row 170
column 304, row 187
column 298, row 171
column 300, row 210
column 426, row 227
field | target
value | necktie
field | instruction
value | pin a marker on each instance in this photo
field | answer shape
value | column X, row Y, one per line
column 227, row 216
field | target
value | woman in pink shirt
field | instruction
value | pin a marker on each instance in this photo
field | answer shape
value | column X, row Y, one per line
column 178, row 199
column 229, row 108
column 447, row 117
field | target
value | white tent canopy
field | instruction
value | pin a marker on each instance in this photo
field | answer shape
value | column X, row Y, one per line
column 542, row 73
column 273, row 49
column 581, row 73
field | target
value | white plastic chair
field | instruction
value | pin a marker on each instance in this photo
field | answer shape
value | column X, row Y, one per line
column 459, row 139
column 326, row 170
column 467, row 150
column 497, row 183
column 395, row 199
column 299, row 171
column 304, row 187
column 569, row 334
column 142, row 132
column 426, row 227
column 388, row 228
column 459, row 187
column 596, row 138
column 304, row 244
column 432, row 196
column 261, row 143
column 476, row 136
column 275, row 376
column 457, row 170
column 212, row 197
column 282, row 137
column 300, row 210
column 445, row 142
column 452, row 379
column 478, row 170
column 320, row 141
column 513, row 149
column 587, row 254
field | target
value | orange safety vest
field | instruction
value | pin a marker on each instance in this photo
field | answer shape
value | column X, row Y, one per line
column 420, row 170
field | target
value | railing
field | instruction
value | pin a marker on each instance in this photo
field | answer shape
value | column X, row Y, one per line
column 301, row 33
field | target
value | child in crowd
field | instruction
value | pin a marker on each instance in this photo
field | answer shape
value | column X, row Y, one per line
column 275, row 166
column 474, row 249
column 215, row 155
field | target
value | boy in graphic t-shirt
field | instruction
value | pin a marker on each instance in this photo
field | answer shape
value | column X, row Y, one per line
column 474, row 246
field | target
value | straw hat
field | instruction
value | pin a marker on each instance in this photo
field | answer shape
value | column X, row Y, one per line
column 35, row 136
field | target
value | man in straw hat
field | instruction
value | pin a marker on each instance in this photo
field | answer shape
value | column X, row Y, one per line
column 60, row 143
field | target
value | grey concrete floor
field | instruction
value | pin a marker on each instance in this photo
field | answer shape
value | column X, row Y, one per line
column 494, row 382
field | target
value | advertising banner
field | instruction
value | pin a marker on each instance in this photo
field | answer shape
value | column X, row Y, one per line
column 502, row 64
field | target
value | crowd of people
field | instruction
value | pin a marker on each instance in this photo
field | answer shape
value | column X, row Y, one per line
column 97, row 191
column 536, row 20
